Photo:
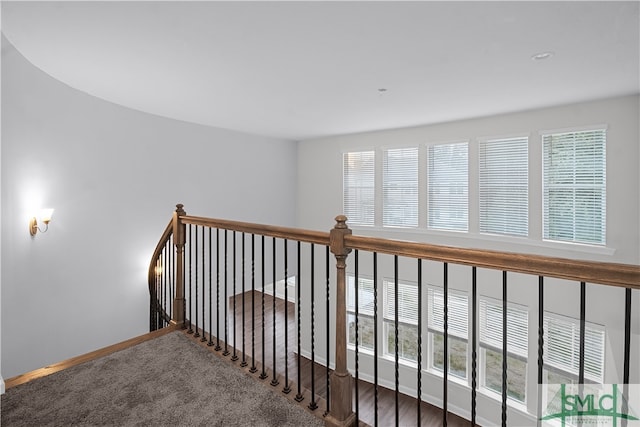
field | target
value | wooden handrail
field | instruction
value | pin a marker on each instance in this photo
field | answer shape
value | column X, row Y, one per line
column 612, row 274
column 296, row 234
column 166, row 234
column 624, row 275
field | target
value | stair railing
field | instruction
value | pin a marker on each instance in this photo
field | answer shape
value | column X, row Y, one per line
column 181, row 255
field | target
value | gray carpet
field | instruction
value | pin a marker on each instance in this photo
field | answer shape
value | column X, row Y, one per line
column 141, row 386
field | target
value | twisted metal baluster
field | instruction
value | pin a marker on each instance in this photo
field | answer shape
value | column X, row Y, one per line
column 299, row 396
column 313, row 405
column 327, row 381
column 287, row 388
column 356, row 273
column 274, row 379
column 204, row 337
column 396, row 332
column 226, row 296
column 196, row 333
column 419, row 379
column 445, row 367
column 540, row 345
column 235, row 345
column 253, row 305
column 504, row 349
column 263, row 374
column 375, row 337
column 190, row 331
column 244, row 353
column 210, row 343
column 474, row 356
column 217, row 347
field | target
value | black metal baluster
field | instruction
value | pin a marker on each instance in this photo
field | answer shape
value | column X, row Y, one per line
column 274, row 379
column 327, row 388
column 540, row 345
column 226, row 296
column 184, row 288
column 244, row 353
column 165, row 271
column 235, row 267
column 190, row 331
column 313, row 405
column 286, row 389
column 172, row 282
column 474, row 339
column 210, row 343
column 396, row 321
column 419, row 379
column 263, row 374
column 445, row 362
column 299, row 396
column 196, row 333
column 204, row 336
column 253, row 305
column 504, row 349
column 627, row 352
column 375, row 338
column 357, row 330
column 583, row 292
column 217, row 347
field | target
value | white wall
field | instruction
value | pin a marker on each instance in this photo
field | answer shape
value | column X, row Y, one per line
column 320, row 200
column 113, row 176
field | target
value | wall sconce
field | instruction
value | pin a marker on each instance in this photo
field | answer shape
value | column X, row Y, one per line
column 45, row 217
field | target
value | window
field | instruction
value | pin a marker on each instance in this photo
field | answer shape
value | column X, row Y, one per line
column 400, row 187
column 457, row 328
column 504, row 184
column 407, row 320
column 359, row 187
column 575, row 187
column 448, row 187
column 491, row 348
column 562, row 350
column 366, row 337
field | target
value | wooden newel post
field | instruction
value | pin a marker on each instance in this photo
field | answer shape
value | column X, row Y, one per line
column 341, row 413
column 178, row 240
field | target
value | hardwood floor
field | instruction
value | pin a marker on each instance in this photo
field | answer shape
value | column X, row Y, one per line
column 312, row 391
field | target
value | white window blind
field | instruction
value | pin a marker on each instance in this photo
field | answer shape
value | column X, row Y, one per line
column 359, row 187
column 504, row 184
column 365, row 295
column 575, row 186
column 562, row 346
column 400, row 187
column 491, row 327
column 448, row 187
column 407, row 302
column 457, row 313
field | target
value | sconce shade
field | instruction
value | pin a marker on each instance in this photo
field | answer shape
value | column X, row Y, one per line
column 46, row 214
column 45, row 217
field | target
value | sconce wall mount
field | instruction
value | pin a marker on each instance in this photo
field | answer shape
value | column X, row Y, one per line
column 45, row 217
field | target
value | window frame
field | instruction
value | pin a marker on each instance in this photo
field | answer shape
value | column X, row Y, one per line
column 352, row 195
column 438, row 224
column 545, row 137
column 499, row 152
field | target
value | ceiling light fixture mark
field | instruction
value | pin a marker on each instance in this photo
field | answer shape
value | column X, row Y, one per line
column 542, row 56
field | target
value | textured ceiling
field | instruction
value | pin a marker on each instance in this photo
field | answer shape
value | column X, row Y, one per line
column 301, row 70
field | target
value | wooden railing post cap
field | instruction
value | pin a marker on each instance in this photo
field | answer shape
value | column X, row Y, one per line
column 336, row 237
column 341, row 222
column 179, row 209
